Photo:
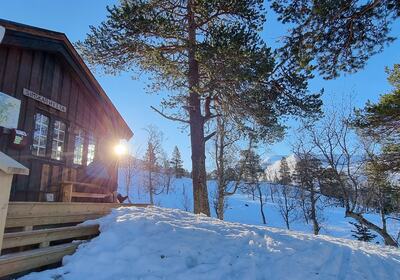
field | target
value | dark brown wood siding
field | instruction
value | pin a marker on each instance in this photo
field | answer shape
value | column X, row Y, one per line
column 49, row 75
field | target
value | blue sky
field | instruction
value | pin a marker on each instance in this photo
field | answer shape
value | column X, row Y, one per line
column 73, row 17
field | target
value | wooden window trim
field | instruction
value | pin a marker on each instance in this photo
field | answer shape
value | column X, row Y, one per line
column 50, row 134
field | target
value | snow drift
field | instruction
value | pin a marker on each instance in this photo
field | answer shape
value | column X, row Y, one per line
column 159, row 243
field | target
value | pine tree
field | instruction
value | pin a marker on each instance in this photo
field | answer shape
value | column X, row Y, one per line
column 286, row 199
column 177, row 163
column 336, row 36
column 251, row 167
column 381, row 120
column 209, row 55
column 284, row 171
column 308, row 174
column 362, row 233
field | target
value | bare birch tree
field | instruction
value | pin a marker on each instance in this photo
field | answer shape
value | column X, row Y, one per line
column 152, row 161
column 334, row 140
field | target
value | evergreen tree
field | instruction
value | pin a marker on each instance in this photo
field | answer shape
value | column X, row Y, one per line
column 381, row 120
column 308, row 175
column 209, row 55
column 168, row 173
column 250, row 163
column 177, row 163
column 251, row 167
column 336, row 36
column 286, row 194
column 362, row 233
column 284, row 171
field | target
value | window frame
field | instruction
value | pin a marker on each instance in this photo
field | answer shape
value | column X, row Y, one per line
column 45, row 146
column 50, row 134
column 91, row 136
column 64, row 142
column 83, row 137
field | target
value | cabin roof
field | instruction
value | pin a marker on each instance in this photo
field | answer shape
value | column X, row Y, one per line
column 31, row 37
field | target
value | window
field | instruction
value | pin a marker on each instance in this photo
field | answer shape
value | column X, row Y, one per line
column 91, row 148
column 78, row 148
column 57, row 147
column 40, row 135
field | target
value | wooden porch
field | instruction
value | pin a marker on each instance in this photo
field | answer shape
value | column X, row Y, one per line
column 34, row 235
column 38, row 234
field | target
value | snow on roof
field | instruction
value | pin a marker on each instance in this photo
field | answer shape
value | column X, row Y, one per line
column 159, row 243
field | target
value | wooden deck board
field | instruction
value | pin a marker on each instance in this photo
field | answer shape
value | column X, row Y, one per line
column 17, row 239
column 23, row 261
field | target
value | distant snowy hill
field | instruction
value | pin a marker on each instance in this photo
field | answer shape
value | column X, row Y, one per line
column 160, row 243
column 272, row 170
column 270, row 160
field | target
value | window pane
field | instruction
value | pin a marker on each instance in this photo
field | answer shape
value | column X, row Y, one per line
column 78, row 146
column 91, row 148
column 40, row 135
column 57, row 147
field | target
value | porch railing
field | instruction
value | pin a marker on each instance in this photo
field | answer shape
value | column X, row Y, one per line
column 37, row 234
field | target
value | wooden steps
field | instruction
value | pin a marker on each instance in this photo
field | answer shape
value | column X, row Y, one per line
column 40, row 227
column 24, row 261
column 46, row 254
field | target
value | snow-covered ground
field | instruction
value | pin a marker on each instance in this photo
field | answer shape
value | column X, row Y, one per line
column 161, row 243
column 168, row 243
column 241, row 208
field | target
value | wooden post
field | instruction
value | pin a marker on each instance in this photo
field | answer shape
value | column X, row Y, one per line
column 8, row 167
column 5, row 189
column 67, row 189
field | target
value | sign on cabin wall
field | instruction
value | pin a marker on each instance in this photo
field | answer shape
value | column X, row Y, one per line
column 9, row 111
column 44, row 100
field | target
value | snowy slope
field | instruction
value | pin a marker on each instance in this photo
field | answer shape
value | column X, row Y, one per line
column 160, row 243
column 241, row 208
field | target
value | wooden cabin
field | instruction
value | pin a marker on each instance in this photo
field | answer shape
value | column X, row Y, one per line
column 55, row 118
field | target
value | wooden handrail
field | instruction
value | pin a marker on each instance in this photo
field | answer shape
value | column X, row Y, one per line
column 67, row 191
column 81, row 184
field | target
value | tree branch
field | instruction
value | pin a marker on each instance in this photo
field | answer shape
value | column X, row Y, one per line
column 209, row 136
column 169, row 117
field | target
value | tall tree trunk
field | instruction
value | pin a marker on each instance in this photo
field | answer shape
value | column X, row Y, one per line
column 286, row 209
column 127, row 193
column 316, row 226
column 220, row 205
column 200, row 193
column 220, row 163
column 221, row 194
column 151, row 188
column 260, row 197
column 128, row 184
column 271, row 191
